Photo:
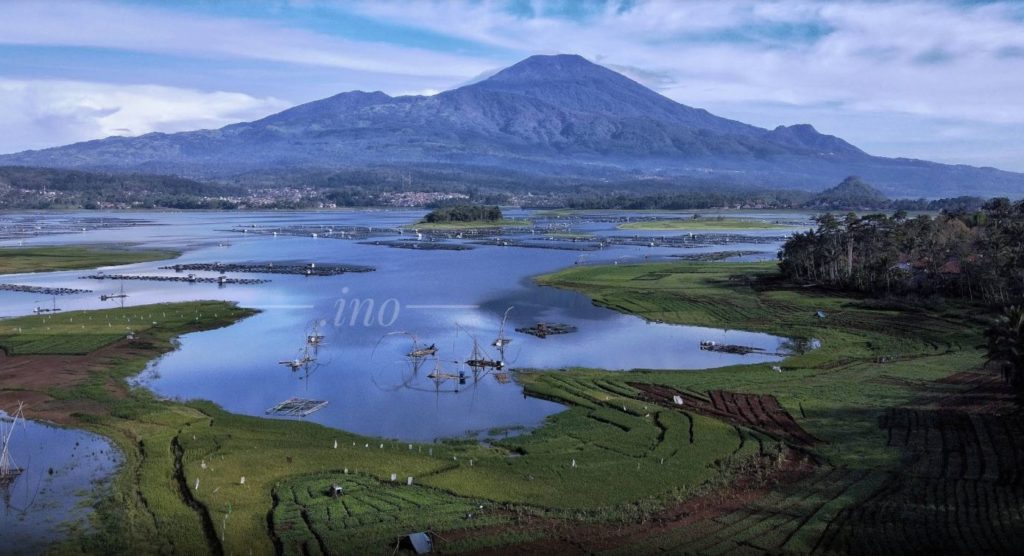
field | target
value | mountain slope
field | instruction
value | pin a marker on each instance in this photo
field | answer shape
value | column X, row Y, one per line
column 546, row 114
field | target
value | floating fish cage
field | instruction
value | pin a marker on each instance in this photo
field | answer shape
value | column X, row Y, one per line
column 309, row 269
column 420, row 245
column 41, row 290
column 729, row 348
column 297, row 407
column 190, row 279
column 545, row 329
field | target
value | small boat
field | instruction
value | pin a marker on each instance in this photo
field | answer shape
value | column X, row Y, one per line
column 428, row 351
column 477, row 360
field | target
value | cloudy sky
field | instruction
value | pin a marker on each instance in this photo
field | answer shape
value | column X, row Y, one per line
column 936, row 80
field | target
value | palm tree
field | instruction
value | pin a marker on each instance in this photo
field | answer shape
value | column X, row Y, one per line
column 1006, row 345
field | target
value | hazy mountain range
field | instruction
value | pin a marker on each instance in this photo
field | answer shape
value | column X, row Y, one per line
column 547, row 115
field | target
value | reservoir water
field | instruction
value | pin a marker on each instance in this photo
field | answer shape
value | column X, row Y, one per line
column 443, row 297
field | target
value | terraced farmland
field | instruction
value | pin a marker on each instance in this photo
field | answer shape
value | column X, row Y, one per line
column 369, row 516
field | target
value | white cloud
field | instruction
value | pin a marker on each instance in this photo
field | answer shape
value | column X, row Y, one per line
column 147, row 29
column 44, row 113
column 881, row 62
column 765, row 62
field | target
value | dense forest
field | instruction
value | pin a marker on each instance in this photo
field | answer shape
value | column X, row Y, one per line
column 976, row 255
column 463, row 213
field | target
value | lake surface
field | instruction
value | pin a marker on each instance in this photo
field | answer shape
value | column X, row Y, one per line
column 55, row 491
column 442, row 297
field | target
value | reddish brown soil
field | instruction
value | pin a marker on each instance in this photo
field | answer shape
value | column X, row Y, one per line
column 759, row 412
column 32, row 378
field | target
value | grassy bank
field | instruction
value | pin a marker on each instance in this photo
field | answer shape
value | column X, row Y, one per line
column 15, row 260
column 839, row 390
column 703, row 224
column 609, row 463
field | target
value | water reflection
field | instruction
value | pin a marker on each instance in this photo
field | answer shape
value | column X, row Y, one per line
column 54, row 491
column 445, row 298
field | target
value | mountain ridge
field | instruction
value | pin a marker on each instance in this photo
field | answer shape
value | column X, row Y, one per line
column 546, row 114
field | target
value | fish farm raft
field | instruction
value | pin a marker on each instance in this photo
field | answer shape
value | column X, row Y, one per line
column 297, row 407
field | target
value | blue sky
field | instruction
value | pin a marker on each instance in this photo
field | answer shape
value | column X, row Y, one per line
column 936, row 80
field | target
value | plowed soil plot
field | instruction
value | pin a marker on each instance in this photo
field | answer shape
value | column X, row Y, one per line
column 756, row 411
column 959, row 491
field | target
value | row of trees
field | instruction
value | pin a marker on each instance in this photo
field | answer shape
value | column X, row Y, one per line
column 464, row 213
column 978, row 255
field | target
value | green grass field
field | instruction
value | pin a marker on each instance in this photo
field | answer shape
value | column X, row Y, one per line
column 703, row 224
column 631, row 457
column 82, row 332
column 15, row 260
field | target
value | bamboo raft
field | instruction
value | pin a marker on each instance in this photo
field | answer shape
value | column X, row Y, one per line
column 297, row 407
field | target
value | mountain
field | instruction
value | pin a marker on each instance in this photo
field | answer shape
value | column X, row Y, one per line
column 547, row 115
column 852, row 193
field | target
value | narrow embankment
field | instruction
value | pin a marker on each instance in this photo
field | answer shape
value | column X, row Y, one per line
column 186, row 495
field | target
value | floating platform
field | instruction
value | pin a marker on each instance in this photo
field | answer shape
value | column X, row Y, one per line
column 41, row 290
column 545, row 329
column 730, row 348
column 190, row 279
column 272, row 268
column 297, row 407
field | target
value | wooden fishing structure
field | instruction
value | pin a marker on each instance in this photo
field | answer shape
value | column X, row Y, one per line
column 501, row 341
column 119, row 295
column 44, row 310
column 9, row 471
column 315, row 338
